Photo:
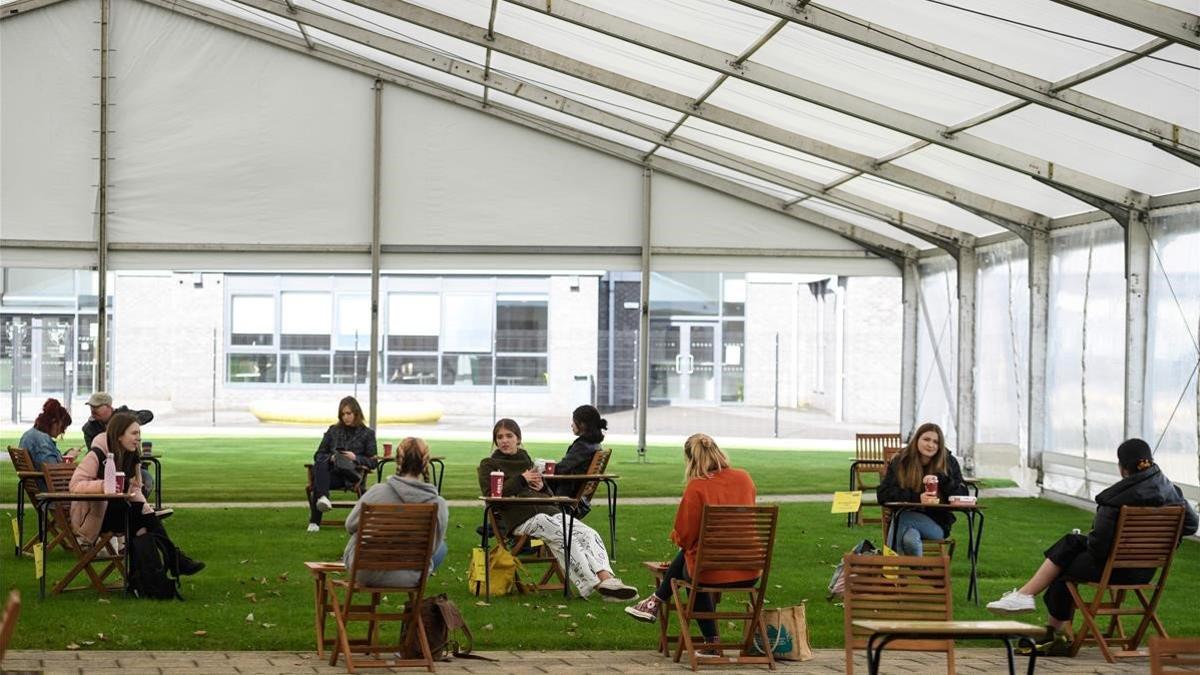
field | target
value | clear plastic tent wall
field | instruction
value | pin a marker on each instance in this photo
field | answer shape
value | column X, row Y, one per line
column 1172, row 408
column 937, row 345
column 1085, row 369
column 1002, row 346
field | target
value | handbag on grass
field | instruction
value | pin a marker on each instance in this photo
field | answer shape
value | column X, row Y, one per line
column 501, row 572
column 787, row 633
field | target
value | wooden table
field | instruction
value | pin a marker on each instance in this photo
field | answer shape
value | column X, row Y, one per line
column 438, row 473
column 610, row 491
column 974, row 512
column 568, row 524
column 45, row 499
column 883, row 632
column 974, row 484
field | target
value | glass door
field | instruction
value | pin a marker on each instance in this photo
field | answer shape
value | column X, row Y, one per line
column 698, row 358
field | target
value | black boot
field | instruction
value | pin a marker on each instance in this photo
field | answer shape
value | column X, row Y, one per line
column 187, row 566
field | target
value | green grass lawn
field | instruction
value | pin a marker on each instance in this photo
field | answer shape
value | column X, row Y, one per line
column 255, row 568
column 272, row 469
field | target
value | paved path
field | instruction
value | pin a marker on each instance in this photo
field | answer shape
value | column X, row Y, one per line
column 825, row 661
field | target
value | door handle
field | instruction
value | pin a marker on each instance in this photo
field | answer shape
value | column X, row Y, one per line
column 679, row 364
column 691, row 364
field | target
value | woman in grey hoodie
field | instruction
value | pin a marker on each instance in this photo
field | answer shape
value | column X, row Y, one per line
column 406, row 487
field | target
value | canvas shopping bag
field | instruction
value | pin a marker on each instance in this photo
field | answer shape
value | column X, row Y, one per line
column 502, row 575
column 787, row 632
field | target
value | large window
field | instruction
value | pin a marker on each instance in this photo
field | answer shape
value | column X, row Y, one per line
column 446, row 332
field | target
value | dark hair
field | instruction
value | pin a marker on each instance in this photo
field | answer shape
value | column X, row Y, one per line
column 590, row 424
column 52, row 413
column 352, row 403
column 1135, row 455
column 909, row 472
column 126, row 460
column 506, row 423
column 414, row 455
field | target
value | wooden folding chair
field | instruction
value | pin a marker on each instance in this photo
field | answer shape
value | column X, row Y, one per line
column 323, row 609
column 586, row 488
column 731, row 538
column 23, row 464
column 870, row 451
column 932, row 547
column 104, row 551
column 390, row 538
column 897, row 588
column 527, row 552
column 1146, row 539
column 8, row 620
column 358, row 489
column 1174, row 655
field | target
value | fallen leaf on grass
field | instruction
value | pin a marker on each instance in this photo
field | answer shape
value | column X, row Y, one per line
column 104, row 601
column 200, row 633
column 590, row 615
column 72, row 646
column 87, row 643
column 283, row 577
column 243, row 562
column 564, row 616
column 102, row 637
column 489, row 627
column 251, row 597
column 482, row 603
column 250, row 617
column 268, row 625
column 560, row 606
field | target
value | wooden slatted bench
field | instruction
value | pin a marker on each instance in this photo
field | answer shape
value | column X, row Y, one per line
column 883, row 632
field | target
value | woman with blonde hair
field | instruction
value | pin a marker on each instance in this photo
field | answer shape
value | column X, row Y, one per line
column 408, row 486
column 925, row 455
column 710, row 480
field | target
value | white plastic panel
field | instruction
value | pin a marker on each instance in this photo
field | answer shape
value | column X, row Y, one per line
column 1002, row 346
column 875, row 76
column 436, row 77
column 867, row 222
column 259, row 17
column 541, row 115
column 1035, row 52
column 769, row 188
column 991, row 180
column 920, row 204
column 1164, row 90
column 48, row 120
column 395, row 28
column 223, row 138
column 454, row 176
column 741, row 146
column 717, row 23
column 1092, row 149
column 937, row 345
column 1172, row 415
column 805, row 118
column 1085, row 356
column 856, row 267
column 684, row 214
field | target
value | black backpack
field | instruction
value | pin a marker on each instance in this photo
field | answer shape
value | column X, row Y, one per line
column 155, row 573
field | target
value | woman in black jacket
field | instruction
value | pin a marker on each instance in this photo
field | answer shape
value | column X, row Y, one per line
column 352, row 439
column 904, row 481
column 588, row 427
column 1079, row 557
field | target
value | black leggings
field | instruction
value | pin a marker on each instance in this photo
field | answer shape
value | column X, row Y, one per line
column 704, row 601
column 114, row 519
column 1071, row 554
column 324, row 480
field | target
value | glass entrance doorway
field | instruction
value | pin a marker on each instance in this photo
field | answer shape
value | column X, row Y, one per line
column 684, row 367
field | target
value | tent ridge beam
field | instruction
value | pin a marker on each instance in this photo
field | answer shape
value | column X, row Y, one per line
column 1149, row 17
column 819, row 94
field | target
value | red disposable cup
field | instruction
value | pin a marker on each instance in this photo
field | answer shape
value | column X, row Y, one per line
column 120, row 481
column 549, row 470
column 387, row 449
column 931, row 484
column 497, row 483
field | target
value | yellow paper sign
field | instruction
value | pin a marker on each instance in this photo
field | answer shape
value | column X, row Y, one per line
column 16, row 530
column 39, row 563
column 846, row 502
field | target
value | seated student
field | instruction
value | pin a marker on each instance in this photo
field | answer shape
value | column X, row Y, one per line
column 51, row 423
column 710, row 480
column 101, row 405
column 590, row 570
column 1081, row 557
column 354, row 440
column 408, row 486
column 925, row 454
column 588, row 427
column 89, row 519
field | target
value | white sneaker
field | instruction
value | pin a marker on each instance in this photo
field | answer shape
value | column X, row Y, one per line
column 615, row 590
column 324, row 505
column 1013, row 602
column 313, row 527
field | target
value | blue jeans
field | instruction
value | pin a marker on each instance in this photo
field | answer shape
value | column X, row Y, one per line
column 439, row 554
column 910, row 528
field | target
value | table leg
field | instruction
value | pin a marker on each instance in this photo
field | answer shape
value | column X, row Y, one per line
column 128, row 545
column 850, row 515
column 894, row 522
column 1008, row 651
column 20, row 516
column 157, row 485
column 568, row 530
column 42, row 507
column 973, row 588
column 610, row 487
column 487, row 572
column 439, row 474
column 1029, row 642
column 875, row 652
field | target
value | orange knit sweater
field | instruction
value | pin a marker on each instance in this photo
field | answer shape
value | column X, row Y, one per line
column 725, row 487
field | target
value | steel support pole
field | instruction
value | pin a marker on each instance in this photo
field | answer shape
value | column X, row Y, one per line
column 644, row 317
column 965, row 415
column 1137, row 271
column 376, row 182
column 1039, row 321
column 910, row 299
column 839, row 349
column 101, row 351
column 776, row 428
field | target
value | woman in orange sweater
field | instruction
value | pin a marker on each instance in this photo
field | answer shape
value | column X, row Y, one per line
column 710, row 480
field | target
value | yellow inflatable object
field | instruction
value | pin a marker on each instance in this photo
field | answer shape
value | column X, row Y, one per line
column 295, row 412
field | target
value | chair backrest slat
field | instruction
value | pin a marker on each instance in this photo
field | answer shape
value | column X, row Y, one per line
column 736, row 538
column 1146, row 536
column 598, row 465
column 395, row 537
column 900, row 588
column 23, row 461
column 871, row 446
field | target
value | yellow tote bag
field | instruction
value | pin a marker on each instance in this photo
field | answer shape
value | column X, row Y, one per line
column 502, row 575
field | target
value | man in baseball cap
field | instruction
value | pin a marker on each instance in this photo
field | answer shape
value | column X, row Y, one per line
column 101, row 404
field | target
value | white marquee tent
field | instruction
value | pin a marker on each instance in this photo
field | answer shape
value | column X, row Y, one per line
column 1031, row 169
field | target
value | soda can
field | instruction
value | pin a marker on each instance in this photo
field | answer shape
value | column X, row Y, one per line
column 549, row 470
column 497, row 483
column 931, row 484
column 120, row 482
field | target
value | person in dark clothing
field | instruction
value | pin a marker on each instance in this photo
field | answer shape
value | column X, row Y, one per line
column 355, row 441
column 588, row 427
column 1079, row 557
column 925, row 455
column 101, row 405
